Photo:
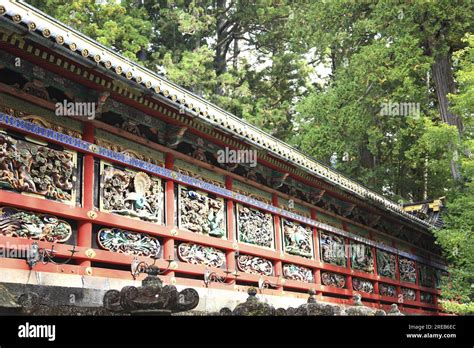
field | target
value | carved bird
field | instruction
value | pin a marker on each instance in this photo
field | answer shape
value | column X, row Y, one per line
column 142, row 183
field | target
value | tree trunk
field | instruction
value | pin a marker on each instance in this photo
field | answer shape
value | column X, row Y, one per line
column 444, row 84
column 220, row 58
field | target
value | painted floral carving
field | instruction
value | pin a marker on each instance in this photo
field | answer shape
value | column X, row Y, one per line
column 333, row 279
column 255, row 227
column 386, row 264
column 426, row 275
column 200, row 254
column 362, row 285
column 298, row 239
column 131, row 193
column 254, row 265
column 201, row 213
column 387, row 290
column 426, row 297
column 362, row 257
column 407, row 270
column 333, row 249
column 409, row 294
column 28, row 167
column 121, row 241
column 298, row 273
column 25, row 224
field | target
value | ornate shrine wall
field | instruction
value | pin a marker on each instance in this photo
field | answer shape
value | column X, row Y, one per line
column 129, row 184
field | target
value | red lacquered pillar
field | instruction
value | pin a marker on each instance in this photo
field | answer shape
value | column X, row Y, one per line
column 376, row 283
column 316, row 271
column 278, row 242
column 348, row 255
column 84, row 228
column 231, row 233
column 168, row 243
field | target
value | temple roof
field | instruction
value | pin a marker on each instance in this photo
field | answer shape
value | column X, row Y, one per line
column 72, row 42
column 429, row 211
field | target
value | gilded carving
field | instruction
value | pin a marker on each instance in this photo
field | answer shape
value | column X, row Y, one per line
column 254, row 265
column 387, row 290
column 407, row 270
column 426, row 297
column 362, row 257
column 426, row 275
column 25, row 224
column 362, row 285
column 386, row 264
column 409, row 294
column 28, row 167
column 127, row 152
column 254, row 226
column 333, row 279
column 131, row 193
column 133, row 243
column 201, row 213
column 200, row 254
column 298, row 239
column 298, row 273
column 333, row 249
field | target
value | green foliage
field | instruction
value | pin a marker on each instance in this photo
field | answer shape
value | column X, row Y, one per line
column 457, row 238
column 458, row 308
column 123, row 27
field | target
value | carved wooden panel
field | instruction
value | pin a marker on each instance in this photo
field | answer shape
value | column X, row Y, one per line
column 254, row 265
column 27, row 224
column 386, row 264
column 127, row 242
column 362, row 258
column 333, row 279
column 31, row 167
column 254, row 226
column 201, row 212
column 298, row 273
column 131, row 193
column 333, row 249
column 201, row 254
column 297, row 238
